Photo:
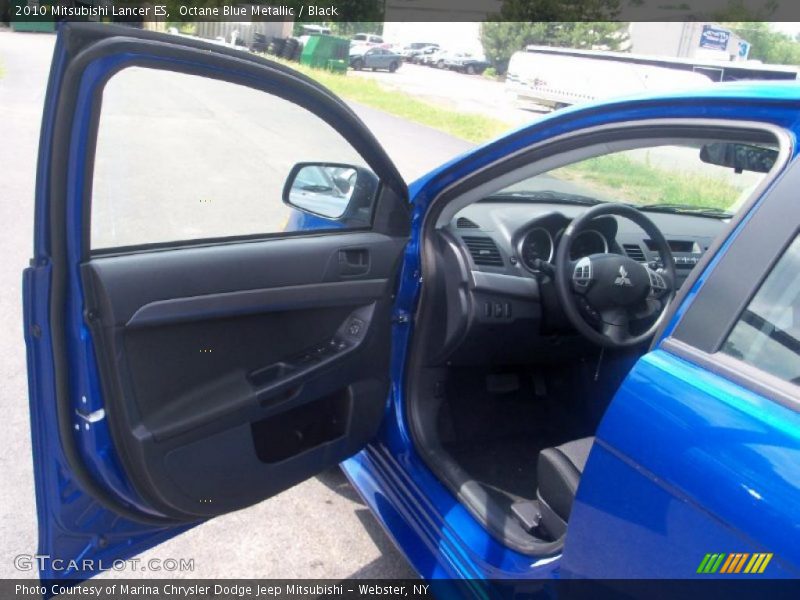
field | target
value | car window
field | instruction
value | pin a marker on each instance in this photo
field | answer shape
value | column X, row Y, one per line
column 181, row 157
column 767, row 334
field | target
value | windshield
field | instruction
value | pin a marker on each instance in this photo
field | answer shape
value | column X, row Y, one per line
column 659, row 178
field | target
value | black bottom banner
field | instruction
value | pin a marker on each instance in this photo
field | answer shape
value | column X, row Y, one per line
column 247, row 589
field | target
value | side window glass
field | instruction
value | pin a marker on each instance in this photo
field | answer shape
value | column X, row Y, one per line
column 767, row 334
column 181, row 157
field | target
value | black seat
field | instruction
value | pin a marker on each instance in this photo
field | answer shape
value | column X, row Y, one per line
column 559, row 472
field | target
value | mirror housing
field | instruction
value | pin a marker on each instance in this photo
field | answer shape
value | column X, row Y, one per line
column 334, row 191
column 739, row 157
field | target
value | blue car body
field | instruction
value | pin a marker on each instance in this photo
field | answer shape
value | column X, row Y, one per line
column 720, row 471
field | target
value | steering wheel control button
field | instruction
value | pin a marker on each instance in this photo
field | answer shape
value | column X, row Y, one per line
column 657, row 282
column 582, row 275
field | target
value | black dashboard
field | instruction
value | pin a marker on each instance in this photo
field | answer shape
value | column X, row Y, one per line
column 493, row 279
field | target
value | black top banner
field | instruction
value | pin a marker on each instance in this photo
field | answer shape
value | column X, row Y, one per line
column 365, row 11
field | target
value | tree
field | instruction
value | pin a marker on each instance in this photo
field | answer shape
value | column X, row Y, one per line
column 766, row 44
column 559, row 10
column 501, row 39
column 569, row 23
column 746, row 10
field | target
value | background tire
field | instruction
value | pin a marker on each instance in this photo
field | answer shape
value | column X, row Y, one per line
column 276, row 46
column 393, row 67
column 289, row 48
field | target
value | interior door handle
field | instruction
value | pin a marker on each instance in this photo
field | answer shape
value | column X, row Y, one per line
column 353, row 261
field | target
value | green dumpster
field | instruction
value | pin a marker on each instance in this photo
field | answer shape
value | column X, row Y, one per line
column 326, row 52
column 35, row 20
column 337, row 65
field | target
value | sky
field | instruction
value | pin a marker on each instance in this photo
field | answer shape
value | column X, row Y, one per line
column 792, row 28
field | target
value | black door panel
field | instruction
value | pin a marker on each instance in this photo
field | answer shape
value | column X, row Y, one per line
column 233, row 371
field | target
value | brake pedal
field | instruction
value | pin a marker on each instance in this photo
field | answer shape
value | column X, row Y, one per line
column 539, row 386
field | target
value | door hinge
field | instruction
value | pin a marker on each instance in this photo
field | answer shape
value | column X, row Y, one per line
column 401, row 317
column 90, row 418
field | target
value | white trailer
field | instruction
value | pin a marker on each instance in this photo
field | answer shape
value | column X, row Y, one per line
column 556, row 77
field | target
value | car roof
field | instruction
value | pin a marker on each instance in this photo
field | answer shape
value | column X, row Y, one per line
column 746, row 90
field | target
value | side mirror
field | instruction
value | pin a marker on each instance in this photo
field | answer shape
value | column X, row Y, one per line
column 331, row 190
column 739, row 157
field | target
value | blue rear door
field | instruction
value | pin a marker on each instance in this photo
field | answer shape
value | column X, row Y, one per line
column 696, row 467
column 188, row 356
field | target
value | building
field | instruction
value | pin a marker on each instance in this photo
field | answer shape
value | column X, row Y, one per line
column 243, row 31
column 693, row 40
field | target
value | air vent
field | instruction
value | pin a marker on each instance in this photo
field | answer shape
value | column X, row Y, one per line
column 635, row 252
column 465, row 223
column 483, row 250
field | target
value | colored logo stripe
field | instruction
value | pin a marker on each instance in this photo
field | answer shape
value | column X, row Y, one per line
column 758, row 563
column 711, row 563
column 735, row 563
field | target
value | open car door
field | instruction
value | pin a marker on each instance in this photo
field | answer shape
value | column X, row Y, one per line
column 694, row 472
column 187, row 355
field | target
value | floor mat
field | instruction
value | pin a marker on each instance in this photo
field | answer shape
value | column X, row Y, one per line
column 507, row 466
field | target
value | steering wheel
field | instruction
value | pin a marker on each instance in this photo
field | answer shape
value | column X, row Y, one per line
column 601, row 294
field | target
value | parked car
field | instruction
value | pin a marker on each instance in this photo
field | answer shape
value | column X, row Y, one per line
column 436, row 58
column 421, row 56
column 374, row 58
column 311, row 29
column 571, row 353
column 367, row 39
column 415, row 49
column 464, row 62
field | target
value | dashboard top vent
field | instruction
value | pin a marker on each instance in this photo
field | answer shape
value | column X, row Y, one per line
column 465, row 223
column 483, row 250
column 635, row 252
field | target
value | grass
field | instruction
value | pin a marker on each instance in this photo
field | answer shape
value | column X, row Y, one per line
column 470, row 127
column 629, row 180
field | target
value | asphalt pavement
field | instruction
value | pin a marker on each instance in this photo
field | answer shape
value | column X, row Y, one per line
column 319, row 528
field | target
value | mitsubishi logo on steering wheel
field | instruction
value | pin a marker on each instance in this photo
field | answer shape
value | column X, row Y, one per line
column 623, row 278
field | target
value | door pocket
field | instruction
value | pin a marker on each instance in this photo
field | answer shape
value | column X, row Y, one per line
column 295, row 431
